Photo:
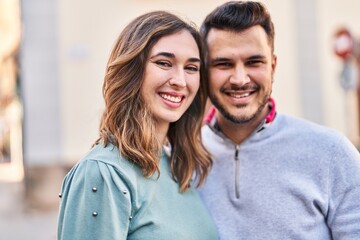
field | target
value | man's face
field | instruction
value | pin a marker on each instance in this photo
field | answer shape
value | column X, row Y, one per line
column 241, row 69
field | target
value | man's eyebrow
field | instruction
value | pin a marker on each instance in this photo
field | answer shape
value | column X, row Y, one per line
column 171, row 55
column 219, row 59
column 223, row 59
column 256, row 57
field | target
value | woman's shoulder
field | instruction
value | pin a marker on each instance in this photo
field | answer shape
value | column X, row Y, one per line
column 110, row 156
column 104, row 164
column 97, row 193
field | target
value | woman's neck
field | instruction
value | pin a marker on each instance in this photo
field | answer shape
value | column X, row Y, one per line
column 161, row 131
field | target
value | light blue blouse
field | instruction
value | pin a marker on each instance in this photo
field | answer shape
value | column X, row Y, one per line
column 106, row 197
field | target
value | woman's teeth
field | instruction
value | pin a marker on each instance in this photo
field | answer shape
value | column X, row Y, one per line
column 171, row 98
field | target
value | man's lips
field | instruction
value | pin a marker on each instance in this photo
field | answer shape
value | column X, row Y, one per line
column 240, row 92
column 239, row 95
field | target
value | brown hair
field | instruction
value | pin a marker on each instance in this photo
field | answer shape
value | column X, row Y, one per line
column 128, row 124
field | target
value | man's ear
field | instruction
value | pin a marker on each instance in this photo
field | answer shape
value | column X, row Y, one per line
column 273, row 66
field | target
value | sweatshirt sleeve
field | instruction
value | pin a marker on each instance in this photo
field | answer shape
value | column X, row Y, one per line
column 95, row 203
column 344, row 192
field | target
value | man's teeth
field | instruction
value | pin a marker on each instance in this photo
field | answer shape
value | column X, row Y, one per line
column 171, row 98
column 236, row 95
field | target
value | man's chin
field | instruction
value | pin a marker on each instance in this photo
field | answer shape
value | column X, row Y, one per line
column 238, row 118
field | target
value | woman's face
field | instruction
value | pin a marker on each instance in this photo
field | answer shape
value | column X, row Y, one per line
column 172, row 77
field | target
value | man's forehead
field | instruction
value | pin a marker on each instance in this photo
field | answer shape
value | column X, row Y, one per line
column 218, row 33
column 224, row 39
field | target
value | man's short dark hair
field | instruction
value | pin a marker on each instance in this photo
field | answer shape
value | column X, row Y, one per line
column 238, row 16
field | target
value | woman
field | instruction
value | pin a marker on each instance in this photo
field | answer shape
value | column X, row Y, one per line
column 129, row 186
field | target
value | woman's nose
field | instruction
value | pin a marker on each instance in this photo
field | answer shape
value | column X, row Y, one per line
column 178, row 79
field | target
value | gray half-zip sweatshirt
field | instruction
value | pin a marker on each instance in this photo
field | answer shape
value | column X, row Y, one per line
column 290, row 180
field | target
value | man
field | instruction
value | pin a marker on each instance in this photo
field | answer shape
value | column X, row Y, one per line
column 274, row 176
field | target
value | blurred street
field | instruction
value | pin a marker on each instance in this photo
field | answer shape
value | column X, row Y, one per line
column 52, row 60
column 19, row 221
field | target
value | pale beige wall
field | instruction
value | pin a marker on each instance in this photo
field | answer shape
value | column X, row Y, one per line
column 285, row 88
column 89, row 28
column 339, row 107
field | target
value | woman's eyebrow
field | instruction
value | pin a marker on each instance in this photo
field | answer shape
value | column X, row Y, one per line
column 171, row 55
column 165, row 54
column 194, row 59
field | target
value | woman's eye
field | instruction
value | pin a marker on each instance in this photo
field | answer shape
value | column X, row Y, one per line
column 192, row 68
column 163, row 63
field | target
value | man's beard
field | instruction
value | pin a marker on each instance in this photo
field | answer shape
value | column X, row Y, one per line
column 243, row 119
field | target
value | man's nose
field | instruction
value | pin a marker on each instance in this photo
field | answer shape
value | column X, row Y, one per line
column 239, row 76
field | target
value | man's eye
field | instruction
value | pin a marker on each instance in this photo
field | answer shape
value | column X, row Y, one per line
column 222, row 64
column 254, row 62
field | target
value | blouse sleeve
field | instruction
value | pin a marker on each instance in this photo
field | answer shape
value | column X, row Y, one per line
column 95, row 203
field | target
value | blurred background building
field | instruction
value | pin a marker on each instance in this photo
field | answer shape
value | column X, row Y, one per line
column 52, row 62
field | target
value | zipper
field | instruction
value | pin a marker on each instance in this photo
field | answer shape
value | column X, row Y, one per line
column 237, row 163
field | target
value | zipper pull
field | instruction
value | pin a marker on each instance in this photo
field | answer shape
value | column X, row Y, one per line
column 237, row 194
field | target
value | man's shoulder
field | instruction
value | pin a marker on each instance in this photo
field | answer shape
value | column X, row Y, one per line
column 313, row 134
column 304, row 126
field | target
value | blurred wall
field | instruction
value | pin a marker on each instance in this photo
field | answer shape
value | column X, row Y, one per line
column 66, row 45
column 40, row 83
column 339, row 108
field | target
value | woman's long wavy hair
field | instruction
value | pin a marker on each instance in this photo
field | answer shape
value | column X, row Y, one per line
column 128, row 123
